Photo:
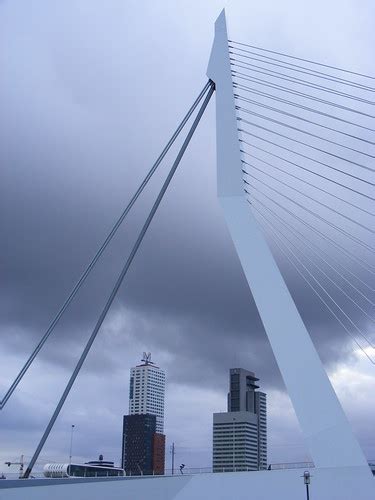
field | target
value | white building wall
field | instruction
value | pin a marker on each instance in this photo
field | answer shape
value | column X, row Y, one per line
column 261, row 409
column 147, row 392
column 235, row 442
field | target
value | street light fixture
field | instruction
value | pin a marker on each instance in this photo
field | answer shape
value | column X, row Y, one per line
column 306, row 480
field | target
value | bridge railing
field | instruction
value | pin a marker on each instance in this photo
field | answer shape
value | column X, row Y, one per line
column 186, row 471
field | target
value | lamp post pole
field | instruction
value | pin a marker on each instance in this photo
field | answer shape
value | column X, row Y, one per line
column 173, row 452
column 306, row 479
column 71, row 444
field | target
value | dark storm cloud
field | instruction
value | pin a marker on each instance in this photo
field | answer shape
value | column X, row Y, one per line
column 89, row 96
column 83, row 126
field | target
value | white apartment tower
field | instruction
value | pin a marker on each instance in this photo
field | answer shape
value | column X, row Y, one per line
column 146, row 391
column 240, row 434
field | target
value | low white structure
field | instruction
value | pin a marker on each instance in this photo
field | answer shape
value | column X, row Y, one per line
column 56, row 470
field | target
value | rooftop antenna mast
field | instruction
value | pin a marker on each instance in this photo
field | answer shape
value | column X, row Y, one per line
column 146, row 358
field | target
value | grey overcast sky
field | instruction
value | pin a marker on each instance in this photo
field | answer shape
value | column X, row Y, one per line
column 90, row 92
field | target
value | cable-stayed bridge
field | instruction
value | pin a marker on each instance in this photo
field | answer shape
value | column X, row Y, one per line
column 295, row 173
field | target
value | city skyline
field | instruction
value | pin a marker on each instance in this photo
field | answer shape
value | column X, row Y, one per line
column 184, row 324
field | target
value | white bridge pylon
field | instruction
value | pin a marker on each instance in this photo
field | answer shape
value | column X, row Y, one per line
column 327, row 432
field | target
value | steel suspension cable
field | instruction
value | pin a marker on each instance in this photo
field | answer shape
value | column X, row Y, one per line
column 312, row 72
column 296, row 81
column 98, row 254
column 315, row 148
column 266, row 83
column 291, row 115
column 300, row 166
column 368, row 316
column 304, row 60
column 252, row 90
column 317, row 293
column 119, row 280
column 353, row 257
column 354, row 325
column 337, row 212
column 310, row 134
column 353, row 205
column 311, row 244
column 322, row 219
column 319, row 162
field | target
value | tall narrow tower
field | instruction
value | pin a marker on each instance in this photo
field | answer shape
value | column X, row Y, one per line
column 244, row 396
column 341, row 470
column 240, row 435
column 143, row 439
column 147, row 390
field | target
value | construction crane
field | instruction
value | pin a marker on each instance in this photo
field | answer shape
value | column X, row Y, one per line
column 20, row 463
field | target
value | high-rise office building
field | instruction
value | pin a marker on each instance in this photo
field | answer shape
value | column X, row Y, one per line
column 147, row 389
column 143, row 441
column 143, row 449
column 137, row 444
column 240, row 434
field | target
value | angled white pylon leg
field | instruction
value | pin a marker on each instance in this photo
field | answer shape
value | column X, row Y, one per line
column 326, row 429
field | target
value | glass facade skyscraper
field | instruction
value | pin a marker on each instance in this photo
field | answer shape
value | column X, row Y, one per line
column 137, row 444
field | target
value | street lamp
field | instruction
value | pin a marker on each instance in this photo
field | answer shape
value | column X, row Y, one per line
column 306, row 480
column 173, row 454
column 71, row 444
